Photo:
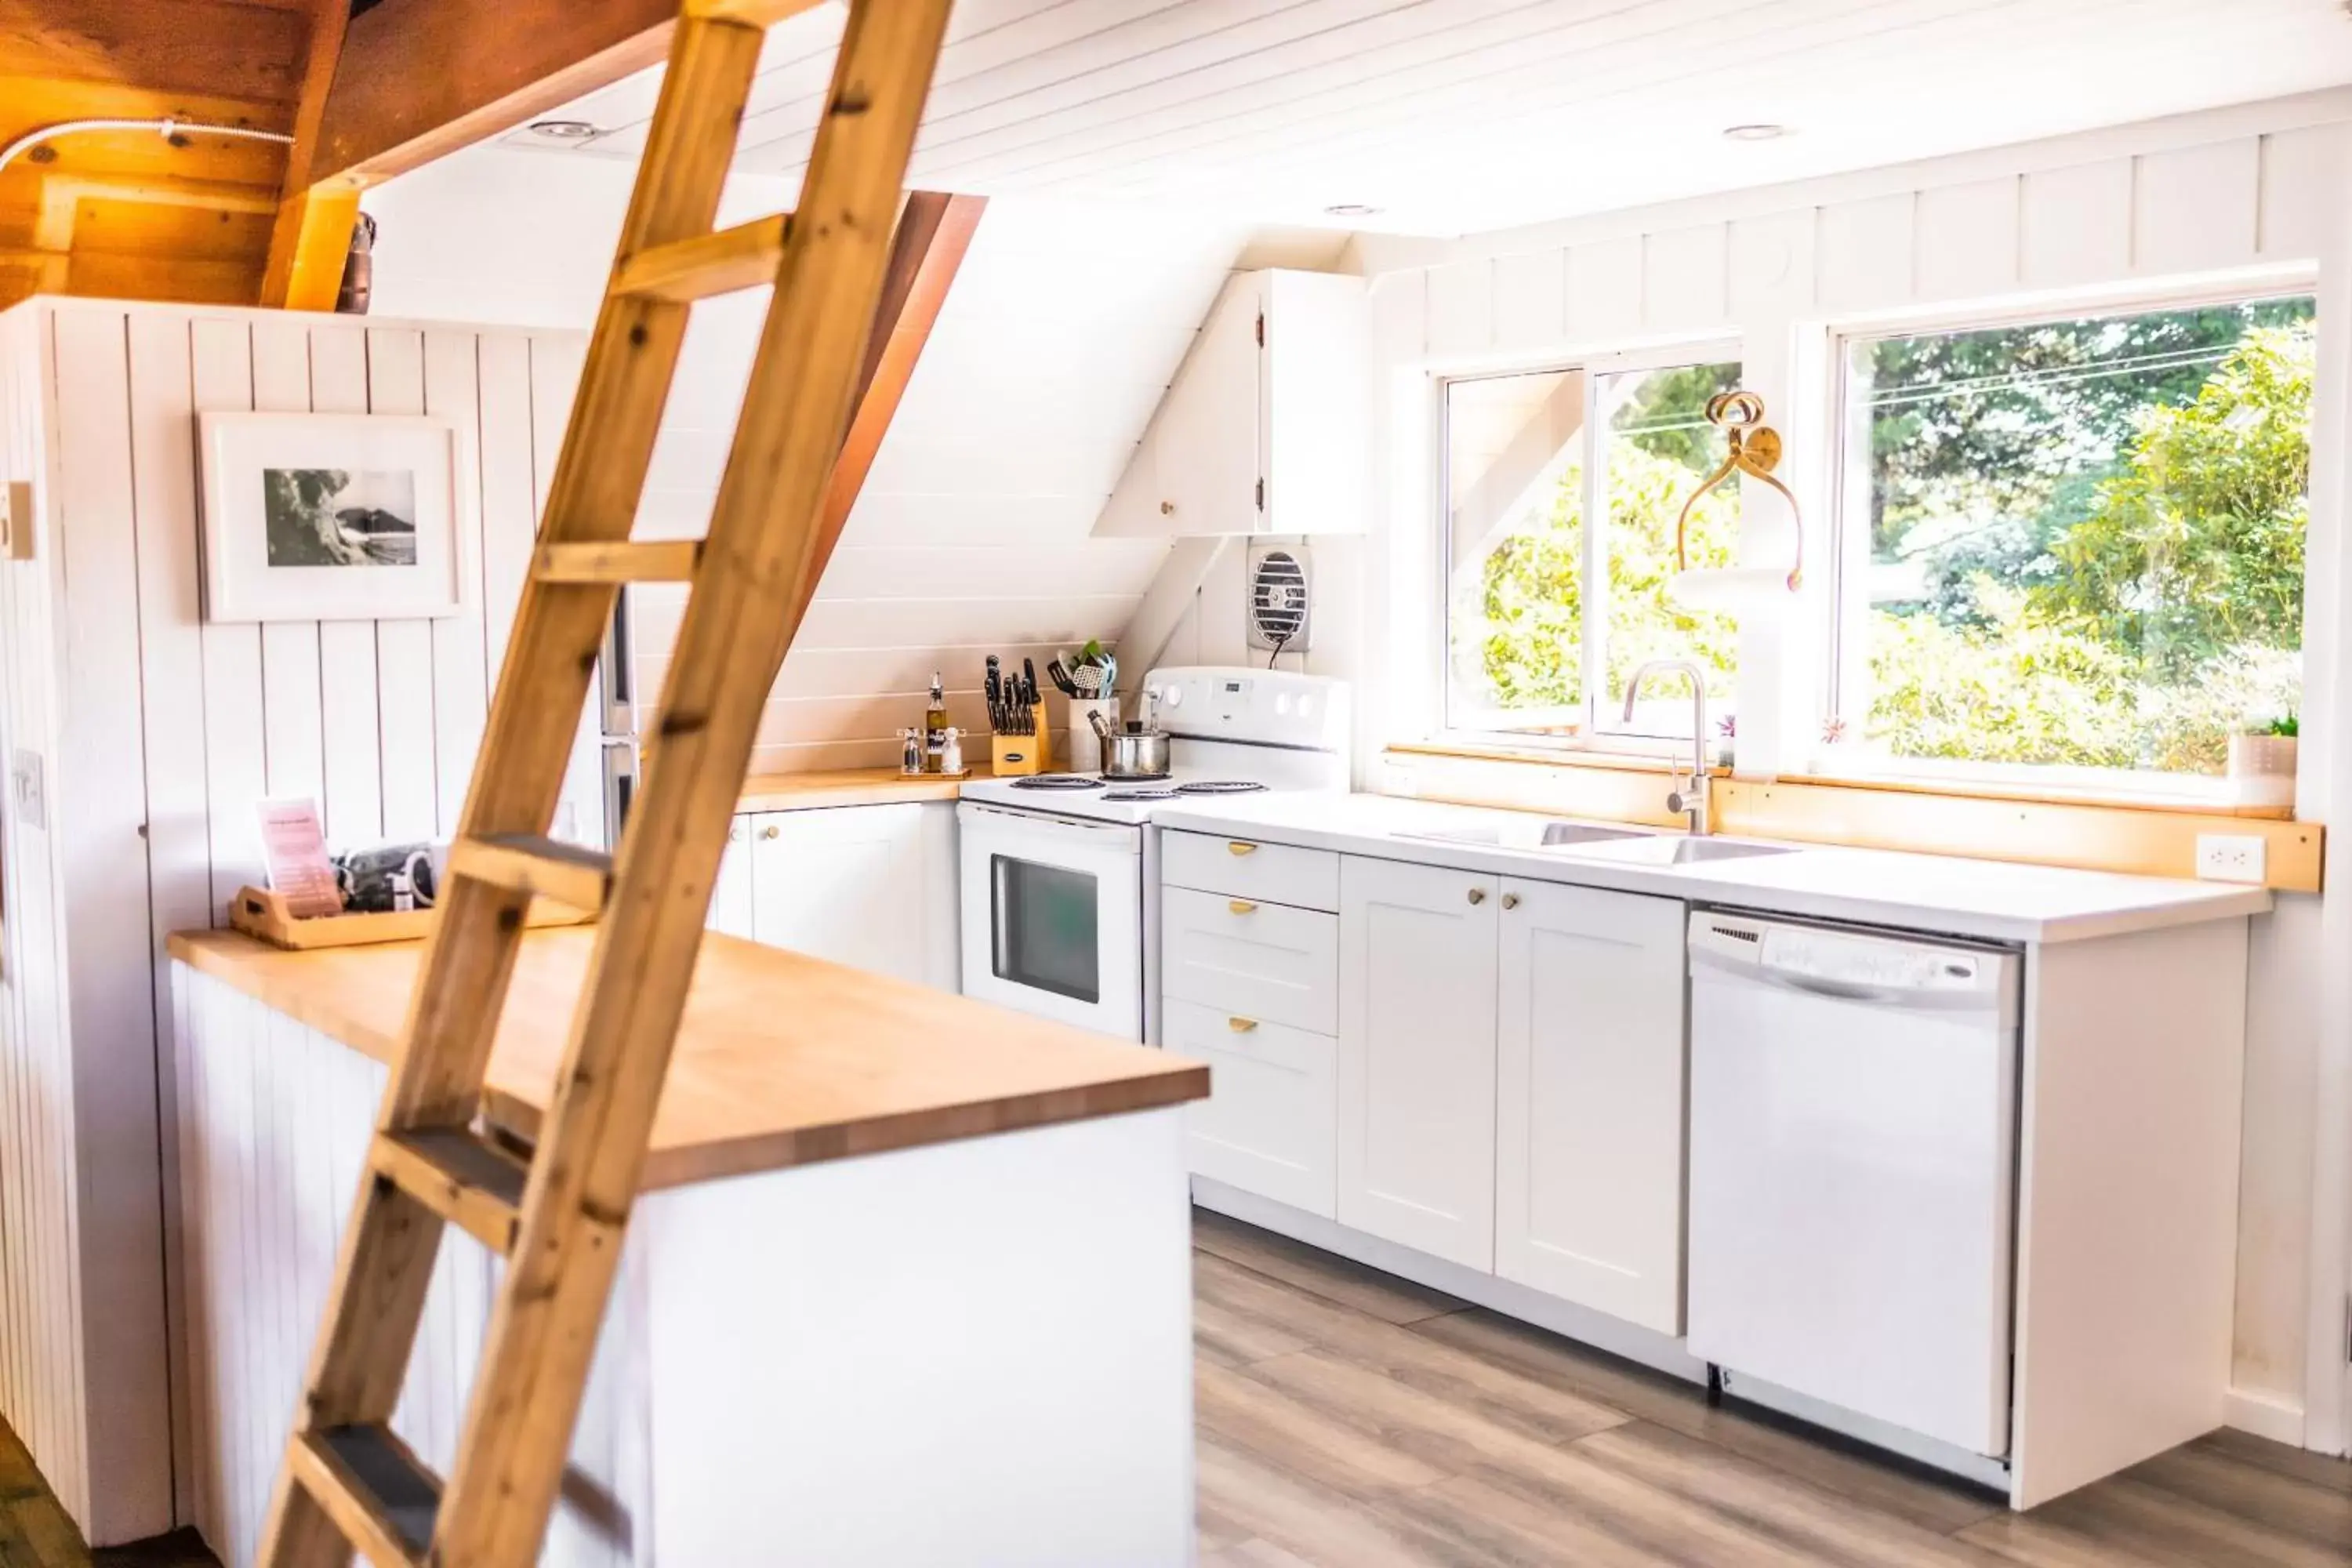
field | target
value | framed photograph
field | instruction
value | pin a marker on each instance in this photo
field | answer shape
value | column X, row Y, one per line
column 312, row 517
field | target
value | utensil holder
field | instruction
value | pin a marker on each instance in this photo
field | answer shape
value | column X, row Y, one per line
column 1086, row 746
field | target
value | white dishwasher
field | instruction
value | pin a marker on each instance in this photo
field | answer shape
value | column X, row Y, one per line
column 1852, row 1151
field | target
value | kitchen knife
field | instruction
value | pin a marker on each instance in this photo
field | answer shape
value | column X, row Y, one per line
column 995, row 689
column 1029, row 683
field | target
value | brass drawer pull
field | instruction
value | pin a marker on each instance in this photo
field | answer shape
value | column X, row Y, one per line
column 1237, row 848
column 1241, row 1025
column 1241, row 906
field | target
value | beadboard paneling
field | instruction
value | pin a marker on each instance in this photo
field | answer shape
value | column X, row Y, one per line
column 274, row 1127
column 157, row 732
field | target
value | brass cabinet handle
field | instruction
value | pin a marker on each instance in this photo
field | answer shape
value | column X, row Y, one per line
column 1241, row 1025
column 1510, row 900
column 1241, row 906
column 1477, row 895
column 1237, row 848
column 772, row 831
column 1167, row 509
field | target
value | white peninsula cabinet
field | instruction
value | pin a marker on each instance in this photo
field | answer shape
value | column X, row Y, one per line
column 869, row 886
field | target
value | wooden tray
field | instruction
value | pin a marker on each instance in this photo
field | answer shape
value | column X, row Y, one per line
column 258, row 913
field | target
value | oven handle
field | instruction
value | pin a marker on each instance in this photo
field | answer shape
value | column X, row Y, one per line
column 1039, row 821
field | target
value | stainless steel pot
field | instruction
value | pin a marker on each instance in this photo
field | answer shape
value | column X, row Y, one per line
column 1133, row 752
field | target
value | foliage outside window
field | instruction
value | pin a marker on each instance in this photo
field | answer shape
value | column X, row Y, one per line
column 2077, row 543
column 1545, row 621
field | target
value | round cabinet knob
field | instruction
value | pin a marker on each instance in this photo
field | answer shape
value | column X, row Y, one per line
column 1477, row 895
column 772, row 831
column 1510, row 900
column 1167, row 509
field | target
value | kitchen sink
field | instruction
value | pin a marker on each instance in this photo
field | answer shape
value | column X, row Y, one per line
column 1527, row 835
column 1663, row 851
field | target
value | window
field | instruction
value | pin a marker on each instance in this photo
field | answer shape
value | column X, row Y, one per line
column 1545, row 619
column 2074, row 543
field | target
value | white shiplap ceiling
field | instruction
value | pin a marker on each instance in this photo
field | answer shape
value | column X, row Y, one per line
column 1452, row 116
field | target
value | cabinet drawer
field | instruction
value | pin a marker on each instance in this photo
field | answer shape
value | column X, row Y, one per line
column 1270, row 1123
column 1262, row 961
column 1244, row 868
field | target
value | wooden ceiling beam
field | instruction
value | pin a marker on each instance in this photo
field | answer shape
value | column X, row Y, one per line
column 926, row 252
column 312, row 234
column 420, row 79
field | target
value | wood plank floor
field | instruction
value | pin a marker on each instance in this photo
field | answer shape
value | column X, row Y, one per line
column 1352, row 1420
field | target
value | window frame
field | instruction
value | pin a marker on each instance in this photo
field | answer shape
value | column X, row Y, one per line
column 1843, row 642
column 1599, row 731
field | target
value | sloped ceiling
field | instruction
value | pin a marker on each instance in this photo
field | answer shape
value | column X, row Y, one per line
column 973, row 533
column 127, row 214
column 1457, row 115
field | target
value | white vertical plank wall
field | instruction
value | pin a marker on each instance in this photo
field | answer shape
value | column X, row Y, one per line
column 154, row 733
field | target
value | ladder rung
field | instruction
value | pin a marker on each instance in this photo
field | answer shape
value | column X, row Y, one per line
column 618, row 561
column 530, row 863
column 748, row 12
column 458, row 1176
column 382, row 1498
column 685, row 270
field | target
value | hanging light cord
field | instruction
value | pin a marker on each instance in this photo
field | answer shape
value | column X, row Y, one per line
column 170, row 127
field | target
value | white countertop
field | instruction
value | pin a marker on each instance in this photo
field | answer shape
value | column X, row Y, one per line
column 1990, row 900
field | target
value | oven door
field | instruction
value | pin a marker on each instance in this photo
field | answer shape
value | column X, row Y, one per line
column 1053, row 916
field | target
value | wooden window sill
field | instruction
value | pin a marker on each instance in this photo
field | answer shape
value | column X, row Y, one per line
column 2143, row 835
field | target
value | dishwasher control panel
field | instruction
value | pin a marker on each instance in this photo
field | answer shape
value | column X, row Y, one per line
column 1847, row 960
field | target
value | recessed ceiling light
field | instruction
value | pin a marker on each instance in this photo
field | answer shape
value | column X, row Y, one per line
column 562, row 129
column 1754, row 133
column 1352, row 209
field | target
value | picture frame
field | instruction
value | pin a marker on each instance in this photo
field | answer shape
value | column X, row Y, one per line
column 316, row 517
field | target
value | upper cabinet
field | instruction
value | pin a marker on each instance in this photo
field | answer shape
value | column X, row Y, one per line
column 1265, row 428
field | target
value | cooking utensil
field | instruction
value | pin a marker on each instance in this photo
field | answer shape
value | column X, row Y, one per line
column 1059, row 674
column 1110, row 675
column 1134, row 752
column 1088, row 678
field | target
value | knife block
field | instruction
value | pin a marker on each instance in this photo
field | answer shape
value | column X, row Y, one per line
column 1012, row 756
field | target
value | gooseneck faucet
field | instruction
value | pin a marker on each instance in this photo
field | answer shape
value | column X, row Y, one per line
column 1691, row 802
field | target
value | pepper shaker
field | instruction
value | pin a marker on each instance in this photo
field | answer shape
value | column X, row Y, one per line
column 911, row 753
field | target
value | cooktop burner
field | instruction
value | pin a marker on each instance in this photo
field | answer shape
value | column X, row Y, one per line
column 1218, row 787
column 1057, row 781
column 1139, row 795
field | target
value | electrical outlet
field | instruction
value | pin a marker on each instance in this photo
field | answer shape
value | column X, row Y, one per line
column 2229, row 856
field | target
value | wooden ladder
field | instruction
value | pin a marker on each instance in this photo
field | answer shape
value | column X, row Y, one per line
column 348, row 1482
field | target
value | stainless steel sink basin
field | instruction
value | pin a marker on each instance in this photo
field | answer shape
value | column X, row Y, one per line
column 1537, row 835
column 1664, row 851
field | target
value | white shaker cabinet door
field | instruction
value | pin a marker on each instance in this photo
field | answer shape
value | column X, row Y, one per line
column 730, row 895
column 870, row 886
column 1416, row 1136
column 1588, row 1108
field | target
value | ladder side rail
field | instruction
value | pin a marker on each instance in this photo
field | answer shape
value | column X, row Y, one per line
column 763, row 547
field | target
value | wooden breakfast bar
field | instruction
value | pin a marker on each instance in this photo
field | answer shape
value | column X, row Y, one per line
column 909, row 1280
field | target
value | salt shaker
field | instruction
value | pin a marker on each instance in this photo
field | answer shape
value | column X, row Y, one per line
column 952, row 752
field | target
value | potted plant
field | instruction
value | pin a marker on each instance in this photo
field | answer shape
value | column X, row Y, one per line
column 2262, row 761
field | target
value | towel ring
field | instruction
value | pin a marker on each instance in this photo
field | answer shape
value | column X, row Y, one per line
column 1756, row 451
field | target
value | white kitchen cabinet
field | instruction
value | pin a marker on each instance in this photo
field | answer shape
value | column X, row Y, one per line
column 870, row 886
column 1589, row 1101
column 1265, row 428
column 1268, row 1125
column 1416, row 1070
column 730, row 895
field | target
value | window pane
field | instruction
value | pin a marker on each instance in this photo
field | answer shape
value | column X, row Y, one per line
column 2085, row 538
column 1515, row 548
column 1659, row 449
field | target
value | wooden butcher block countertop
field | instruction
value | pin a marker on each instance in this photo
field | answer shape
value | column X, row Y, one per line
column 848, row 786
column 781, row 1059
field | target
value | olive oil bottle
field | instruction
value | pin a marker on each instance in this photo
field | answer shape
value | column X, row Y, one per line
column 935, row 727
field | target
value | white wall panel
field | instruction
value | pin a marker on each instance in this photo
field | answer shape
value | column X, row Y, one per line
column 1865, row 257
column 2076, row 224
column 1604, row 289
column 2198, row 208
column 2300, row 190
column 1531, row 298
column 1685, row 284
column 1772, row 266
column 157, row 733
column 1461, row 307
column 1967, row 240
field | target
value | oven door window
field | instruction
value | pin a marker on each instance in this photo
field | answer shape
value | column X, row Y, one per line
column 1048, row 928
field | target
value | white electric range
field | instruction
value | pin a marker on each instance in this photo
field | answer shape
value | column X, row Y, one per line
column 1060, row 872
